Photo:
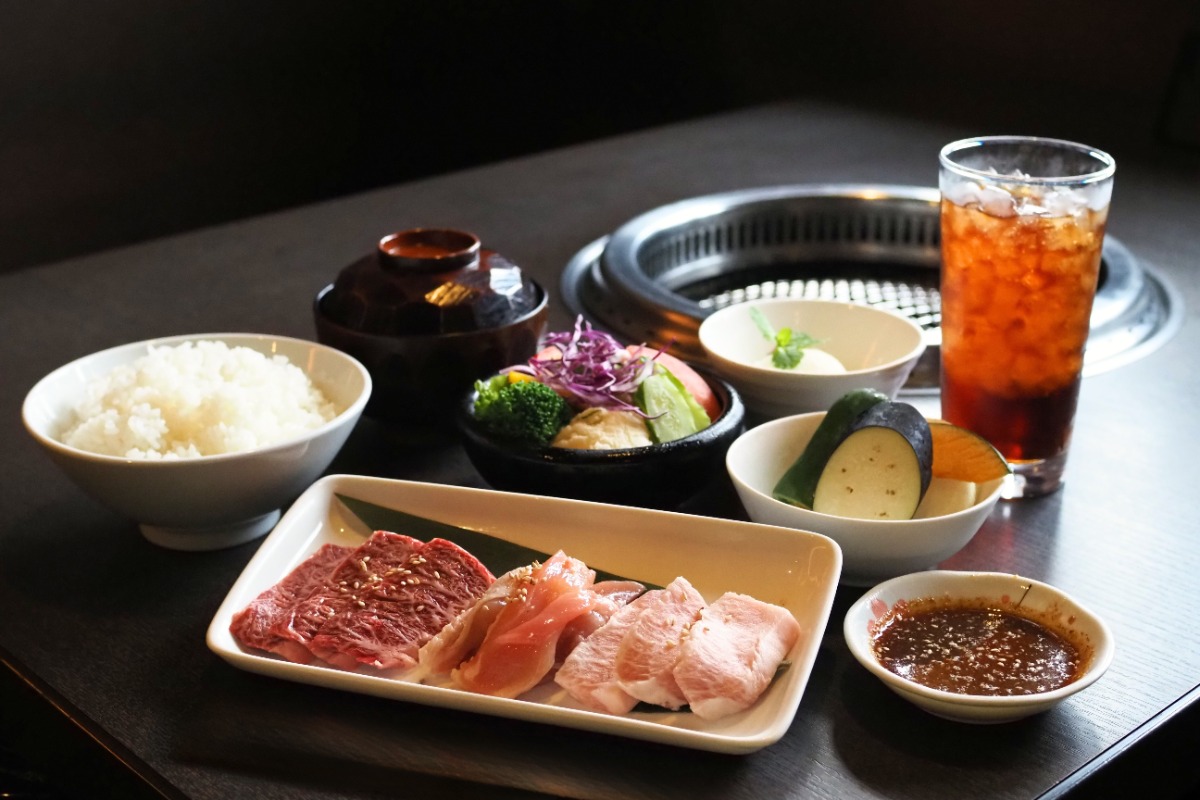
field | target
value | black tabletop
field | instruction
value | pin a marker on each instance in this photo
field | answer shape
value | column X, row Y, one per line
column 106, row 630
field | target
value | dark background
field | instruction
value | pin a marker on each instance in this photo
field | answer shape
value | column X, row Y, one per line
column 124, row 120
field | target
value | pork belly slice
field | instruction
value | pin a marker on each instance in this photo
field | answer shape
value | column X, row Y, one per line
column 253, row 626
column 650, row 648
column 386, row 599
column 589, row 672
column 518, row 650
column 730, row 655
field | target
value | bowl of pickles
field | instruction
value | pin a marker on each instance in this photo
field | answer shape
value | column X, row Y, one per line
column 897, row 491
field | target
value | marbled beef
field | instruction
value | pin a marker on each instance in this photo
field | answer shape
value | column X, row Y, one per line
column 375, row 604
column 254, row 625
column 391, row 596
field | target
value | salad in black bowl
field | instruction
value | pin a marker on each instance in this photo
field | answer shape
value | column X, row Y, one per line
column 591, row 419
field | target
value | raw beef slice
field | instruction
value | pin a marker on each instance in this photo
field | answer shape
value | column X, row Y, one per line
column 389, row 597
column 253, row 626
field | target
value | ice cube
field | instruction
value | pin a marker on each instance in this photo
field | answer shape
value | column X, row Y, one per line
column 997, row 201
column 1063, row 202
column 993, row 200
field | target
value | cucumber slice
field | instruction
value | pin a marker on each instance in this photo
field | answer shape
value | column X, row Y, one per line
column 881, row 469
column 699, row 416
column 799, row 483
column 669, row 416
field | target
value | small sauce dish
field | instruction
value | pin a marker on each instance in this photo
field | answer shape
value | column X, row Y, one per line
column 1026, row 609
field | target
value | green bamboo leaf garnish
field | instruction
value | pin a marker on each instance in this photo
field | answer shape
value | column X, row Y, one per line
column 496, row 554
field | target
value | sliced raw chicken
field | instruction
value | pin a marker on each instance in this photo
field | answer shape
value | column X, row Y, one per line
column 650, row 647
column 729, row 656
column 613, row 595
column 518, row 651
column 461, row 638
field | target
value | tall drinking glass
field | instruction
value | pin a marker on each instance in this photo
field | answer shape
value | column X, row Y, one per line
column 1022, row 223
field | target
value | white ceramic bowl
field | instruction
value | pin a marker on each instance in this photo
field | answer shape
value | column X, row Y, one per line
column 208, row 502
column 878, row 348
column 872, row 550
column 1042, row 602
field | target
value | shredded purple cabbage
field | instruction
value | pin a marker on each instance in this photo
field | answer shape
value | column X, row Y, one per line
column 595, row 370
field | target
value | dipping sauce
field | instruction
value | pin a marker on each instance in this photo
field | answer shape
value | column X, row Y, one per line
column 975, row 650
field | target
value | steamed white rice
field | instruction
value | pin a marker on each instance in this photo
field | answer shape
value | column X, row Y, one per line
column 196, row 399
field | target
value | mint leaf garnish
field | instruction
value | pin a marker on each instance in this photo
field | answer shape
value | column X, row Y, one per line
column 788, row 349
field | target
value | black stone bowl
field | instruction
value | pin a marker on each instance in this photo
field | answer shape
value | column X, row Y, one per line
column 657, row 476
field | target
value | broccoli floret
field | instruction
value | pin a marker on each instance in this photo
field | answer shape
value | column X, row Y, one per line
column 523, row 411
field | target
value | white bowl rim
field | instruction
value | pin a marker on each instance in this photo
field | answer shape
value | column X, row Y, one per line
column 755, row 370
column 354, row 409
column 1104, row 646
column 764, row 429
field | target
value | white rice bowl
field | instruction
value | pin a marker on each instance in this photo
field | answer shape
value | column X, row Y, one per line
column 197, row 398
column 200, row 394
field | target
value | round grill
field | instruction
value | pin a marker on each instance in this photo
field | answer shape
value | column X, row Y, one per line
column 657, row 276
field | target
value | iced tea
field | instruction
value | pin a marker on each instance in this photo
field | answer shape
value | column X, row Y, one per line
column 1020, row 264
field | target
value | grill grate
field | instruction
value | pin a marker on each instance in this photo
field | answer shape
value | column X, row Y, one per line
column 920, row 303
column 886, row 229
column 660, row 274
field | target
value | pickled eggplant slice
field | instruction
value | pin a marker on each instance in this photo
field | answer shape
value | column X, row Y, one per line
column 882, row 467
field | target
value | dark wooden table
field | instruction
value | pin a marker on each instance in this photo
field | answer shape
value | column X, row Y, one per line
column 103, row 633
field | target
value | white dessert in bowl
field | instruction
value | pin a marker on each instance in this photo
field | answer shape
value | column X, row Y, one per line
column 876, row 348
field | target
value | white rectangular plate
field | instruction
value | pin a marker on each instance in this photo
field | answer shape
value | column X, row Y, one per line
column 794, row 569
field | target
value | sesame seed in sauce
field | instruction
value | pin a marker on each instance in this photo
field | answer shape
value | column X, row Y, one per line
column 983, row 651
